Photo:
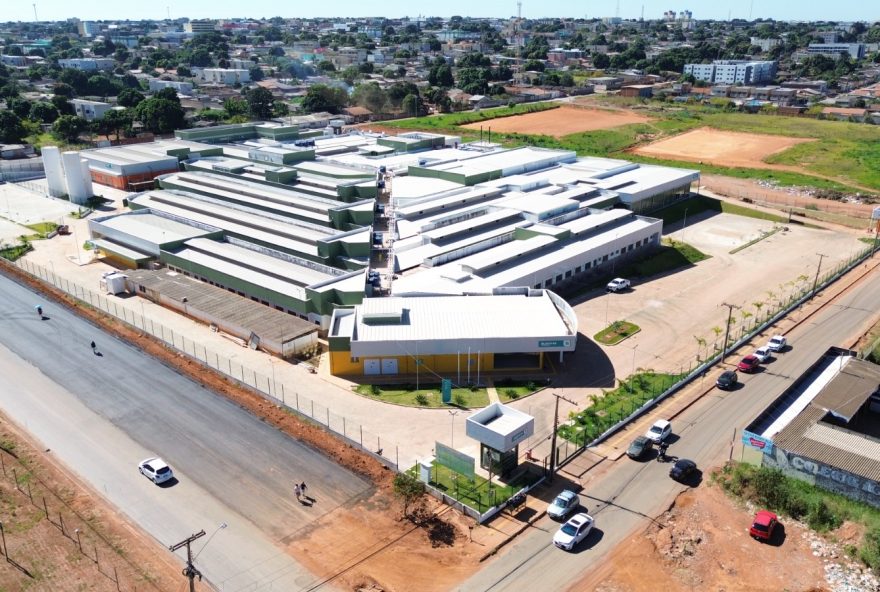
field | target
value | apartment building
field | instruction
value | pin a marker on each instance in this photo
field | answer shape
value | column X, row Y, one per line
column 733, row 71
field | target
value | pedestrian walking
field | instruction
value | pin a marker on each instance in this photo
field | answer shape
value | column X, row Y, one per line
column 94, row 345
column 302, row 488
column 298, row 491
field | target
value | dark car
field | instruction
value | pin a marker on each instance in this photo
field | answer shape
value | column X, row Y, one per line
column 682, row 469
column 749, row 363
column 639, row 447
column 763, row 525
column 727, row 380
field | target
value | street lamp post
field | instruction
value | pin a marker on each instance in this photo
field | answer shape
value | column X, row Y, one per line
column 633, row 373
column 452, row 413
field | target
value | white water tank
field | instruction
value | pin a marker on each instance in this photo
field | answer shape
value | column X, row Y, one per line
column 87, row 177
column 77, row 189
column 54, row 171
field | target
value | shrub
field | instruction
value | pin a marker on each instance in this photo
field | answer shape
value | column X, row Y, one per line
column 375, row 390
column 771, row 488
column 820, row 517
column 870, row 551
column 421, row 399
column 459, row 400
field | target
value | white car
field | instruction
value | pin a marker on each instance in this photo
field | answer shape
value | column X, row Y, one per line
column 573, row 531
column 776, row 343
column 659, row 431
column 617, row 285
column 763, row 354
column 156, row 470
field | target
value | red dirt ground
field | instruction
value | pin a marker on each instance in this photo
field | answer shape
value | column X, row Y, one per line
column 711, row 146
column 560, row 122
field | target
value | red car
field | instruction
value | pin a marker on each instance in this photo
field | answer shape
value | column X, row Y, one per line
column 763, row 525
column 749, row 363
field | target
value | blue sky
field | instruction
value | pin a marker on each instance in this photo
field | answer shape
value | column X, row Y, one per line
column 842, row 10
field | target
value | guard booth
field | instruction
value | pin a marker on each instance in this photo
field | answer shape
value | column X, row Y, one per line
column 499, row 429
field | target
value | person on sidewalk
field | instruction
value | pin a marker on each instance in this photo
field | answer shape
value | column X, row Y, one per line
column 302, row 488
column 297, row 490
column 94, row 345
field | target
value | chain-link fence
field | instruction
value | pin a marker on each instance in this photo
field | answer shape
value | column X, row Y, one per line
column 280, row 392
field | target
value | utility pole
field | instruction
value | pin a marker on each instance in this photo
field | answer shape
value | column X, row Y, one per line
column 816, row 279
column 555, row 428
column 190, row 571
column 36, row 20
column 730, row 308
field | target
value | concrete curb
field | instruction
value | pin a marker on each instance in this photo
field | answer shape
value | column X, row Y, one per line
column 512, row 536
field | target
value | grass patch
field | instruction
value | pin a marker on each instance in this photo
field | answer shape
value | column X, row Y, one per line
column 479, row 493
column 701, row 203
column 511, row 390
column 613, row 406
column 671, row 256
column 453, row 120
column 427, row 395
column 15, row 252
column 616, row 332
column 42, row 228
column 822, row 510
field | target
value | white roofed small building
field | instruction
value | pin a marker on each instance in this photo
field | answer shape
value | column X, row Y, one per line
column 457, row 336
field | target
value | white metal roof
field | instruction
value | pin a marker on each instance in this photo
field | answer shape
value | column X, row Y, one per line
column 149, row 227
column 460, row 317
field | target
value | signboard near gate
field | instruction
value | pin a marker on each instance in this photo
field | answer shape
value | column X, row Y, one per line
column 454, row 460
column 757, row 442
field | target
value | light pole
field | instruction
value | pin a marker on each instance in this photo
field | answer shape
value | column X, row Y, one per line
column 3, row 534
column 452, row 413
column 730, row 308
column 684, row 224
column 633, row 373
column 816, row 279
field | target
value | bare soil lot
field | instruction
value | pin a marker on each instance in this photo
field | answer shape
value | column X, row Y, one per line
column 734, row 149
column 702, row 543
column 48, row 554
column 561, row 122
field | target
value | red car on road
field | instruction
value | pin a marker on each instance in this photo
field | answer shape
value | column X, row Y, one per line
column 763, row 525
column 749, row 363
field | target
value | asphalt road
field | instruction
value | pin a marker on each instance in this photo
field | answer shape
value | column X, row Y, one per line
column 101, row 413
column 629, row 494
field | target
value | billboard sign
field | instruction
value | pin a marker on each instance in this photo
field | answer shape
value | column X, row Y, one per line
column 454, row 460
column 757, row 442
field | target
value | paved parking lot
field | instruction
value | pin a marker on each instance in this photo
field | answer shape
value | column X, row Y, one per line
column 674, row 309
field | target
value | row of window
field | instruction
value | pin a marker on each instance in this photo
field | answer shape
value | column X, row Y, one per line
column 593, row 264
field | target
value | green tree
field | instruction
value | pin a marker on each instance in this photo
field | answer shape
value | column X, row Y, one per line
column 235, row 106
column 326, row 66
column 12, row 129
column 280, row 109
column 160, row 115
column 260, row 103
column 169, row 94
column 184, row 71
column 69, row 127
column 256, row 73
column 129, row 97
column 100, row 85
column 412, row 105
column 408, row 489
column 43, row 112
column 601, row 61
column 321, row 97
column 63, row 106
column 113, row 122
column 370, row 96
column 19, row 106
